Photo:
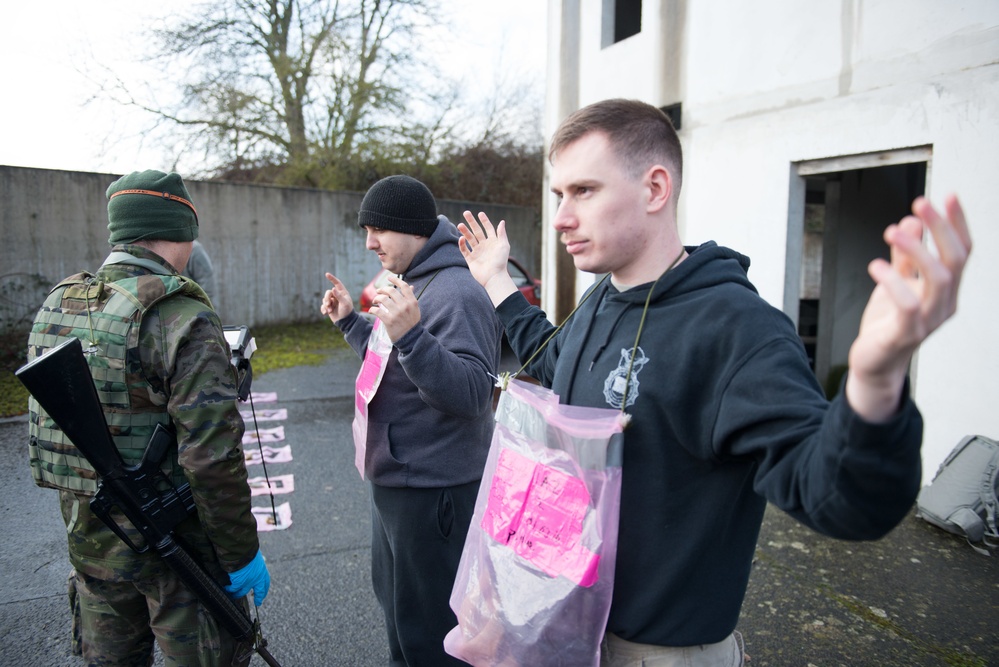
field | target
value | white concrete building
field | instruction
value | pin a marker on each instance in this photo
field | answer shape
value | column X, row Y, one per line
column 808, row 126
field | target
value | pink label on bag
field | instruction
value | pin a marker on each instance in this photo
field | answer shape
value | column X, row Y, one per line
column 538, row 512
column 369, row 377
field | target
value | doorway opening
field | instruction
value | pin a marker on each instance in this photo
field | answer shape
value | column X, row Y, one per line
column 839, row 209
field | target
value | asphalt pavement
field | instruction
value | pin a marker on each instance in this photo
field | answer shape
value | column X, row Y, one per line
column 920, row 596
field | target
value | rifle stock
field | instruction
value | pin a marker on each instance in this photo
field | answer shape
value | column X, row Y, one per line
column 61, row 383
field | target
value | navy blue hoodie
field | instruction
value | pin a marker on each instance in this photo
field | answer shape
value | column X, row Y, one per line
column 726, row 415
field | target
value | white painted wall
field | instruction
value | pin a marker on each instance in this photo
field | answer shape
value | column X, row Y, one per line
column 771, row 83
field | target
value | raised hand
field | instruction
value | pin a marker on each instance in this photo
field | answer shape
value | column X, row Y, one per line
column 336, row 303
column 915, row 293
column 486, row 251
column 396, row 306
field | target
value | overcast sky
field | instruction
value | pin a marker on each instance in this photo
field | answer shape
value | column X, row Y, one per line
column 45, row 119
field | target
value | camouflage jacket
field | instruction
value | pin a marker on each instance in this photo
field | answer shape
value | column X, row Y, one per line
column 180, row 367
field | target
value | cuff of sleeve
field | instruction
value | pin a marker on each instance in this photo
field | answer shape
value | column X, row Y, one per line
column 878, row 472
column 406, row 344
column 901, row 434
column 345, row 324
column 512, row 306
column 233, row 566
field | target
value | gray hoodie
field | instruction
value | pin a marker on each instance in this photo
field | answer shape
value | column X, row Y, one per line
column 431, row 420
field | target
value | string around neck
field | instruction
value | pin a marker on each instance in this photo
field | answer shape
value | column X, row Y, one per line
column 504, row 378
column 641, row 325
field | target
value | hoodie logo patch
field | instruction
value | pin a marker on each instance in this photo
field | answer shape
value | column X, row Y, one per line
column 615, row 383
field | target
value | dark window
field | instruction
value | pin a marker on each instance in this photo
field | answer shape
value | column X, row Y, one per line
column 673, row 111
column 627, row 19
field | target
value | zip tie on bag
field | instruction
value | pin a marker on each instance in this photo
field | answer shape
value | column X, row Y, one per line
column 502, row 380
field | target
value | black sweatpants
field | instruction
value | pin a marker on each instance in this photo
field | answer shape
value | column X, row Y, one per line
column 416, row 540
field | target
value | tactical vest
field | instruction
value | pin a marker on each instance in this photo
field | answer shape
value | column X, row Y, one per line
column 106, row 317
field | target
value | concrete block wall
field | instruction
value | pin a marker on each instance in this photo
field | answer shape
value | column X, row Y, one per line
column 270, row 246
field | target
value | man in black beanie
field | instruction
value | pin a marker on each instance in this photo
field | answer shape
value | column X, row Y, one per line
column 158, row 356
column 424, row 410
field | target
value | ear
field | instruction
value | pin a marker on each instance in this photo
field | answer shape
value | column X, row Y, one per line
column 659, row 182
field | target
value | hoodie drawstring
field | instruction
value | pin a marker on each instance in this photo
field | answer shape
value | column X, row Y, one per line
column 607, row 338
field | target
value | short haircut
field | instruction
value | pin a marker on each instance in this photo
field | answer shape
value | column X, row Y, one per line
column 640, row 135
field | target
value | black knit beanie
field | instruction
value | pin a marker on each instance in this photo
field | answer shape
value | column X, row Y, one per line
column 150, row 205
column 400, row 204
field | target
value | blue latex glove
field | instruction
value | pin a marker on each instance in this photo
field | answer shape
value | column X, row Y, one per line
column 252, row 576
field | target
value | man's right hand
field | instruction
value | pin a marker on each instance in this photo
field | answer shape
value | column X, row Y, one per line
column 251, row 577
column 486, row 251
column 336, row 303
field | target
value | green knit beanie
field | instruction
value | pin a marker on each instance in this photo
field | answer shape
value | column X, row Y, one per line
column 150, row 205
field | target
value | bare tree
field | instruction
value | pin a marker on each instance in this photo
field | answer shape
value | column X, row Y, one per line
column 335, row 94
column 297, row 83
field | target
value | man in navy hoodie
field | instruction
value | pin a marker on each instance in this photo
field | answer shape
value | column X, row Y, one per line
column 726, row 413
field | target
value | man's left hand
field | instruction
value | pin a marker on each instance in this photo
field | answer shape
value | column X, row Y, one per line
column 397, row 308
column 915, row 293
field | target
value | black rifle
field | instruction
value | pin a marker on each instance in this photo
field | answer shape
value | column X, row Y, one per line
column 61, row 382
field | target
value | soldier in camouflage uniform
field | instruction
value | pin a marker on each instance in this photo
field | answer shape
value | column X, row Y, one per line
column 157, row 352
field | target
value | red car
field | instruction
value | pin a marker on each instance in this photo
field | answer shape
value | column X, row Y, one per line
column 529, row 286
